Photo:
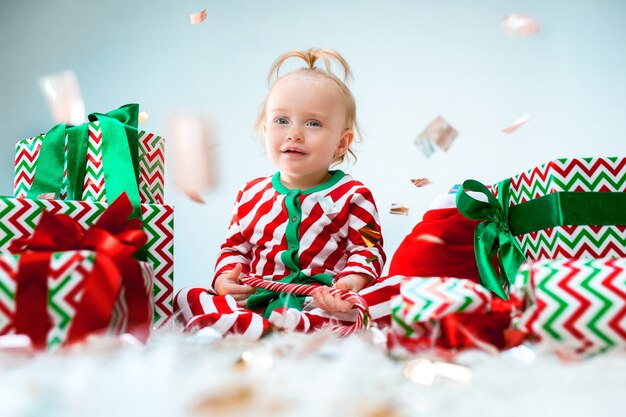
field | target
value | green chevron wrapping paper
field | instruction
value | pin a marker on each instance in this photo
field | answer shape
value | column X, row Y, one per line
column 576, row 303
column 151, row 166
column 65, row 290
column 573, row 175
column 19, row 216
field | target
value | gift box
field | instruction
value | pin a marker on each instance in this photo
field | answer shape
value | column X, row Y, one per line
column 66, row 278
column 63, row 281
column 579, row 304
column 449, row 313
column 75, row 170
column 19, row 216
column 151, row 156
column 567, row 208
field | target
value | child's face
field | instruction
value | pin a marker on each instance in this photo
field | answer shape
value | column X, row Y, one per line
column 305, row 128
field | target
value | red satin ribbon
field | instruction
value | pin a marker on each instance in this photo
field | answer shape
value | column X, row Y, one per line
column 115, row 240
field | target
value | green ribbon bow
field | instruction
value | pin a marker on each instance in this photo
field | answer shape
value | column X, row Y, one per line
column 495, row 235
column 492, row 236
column 120, row 157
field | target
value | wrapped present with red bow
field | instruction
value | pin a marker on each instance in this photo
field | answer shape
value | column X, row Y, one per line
column 76, row 170
column 65, row 282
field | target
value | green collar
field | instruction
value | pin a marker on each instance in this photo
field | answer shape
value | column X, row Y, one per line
column 336, row 176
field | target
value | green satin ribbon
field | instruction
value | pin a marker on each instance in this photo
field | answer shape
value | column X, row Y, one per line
column 501, row 223
column 491, row 236
column 120, row 157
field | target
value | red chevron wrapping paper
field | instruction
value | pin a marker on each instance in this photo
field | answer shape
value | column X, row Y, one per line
column 449, row 313
column 19, row 216
column 151, row 166
column 65, row 281
column 577, row 175
column 575, row 303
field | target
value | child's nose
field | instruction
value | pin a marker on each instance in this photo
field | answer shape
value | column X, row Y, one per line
column 295, row 134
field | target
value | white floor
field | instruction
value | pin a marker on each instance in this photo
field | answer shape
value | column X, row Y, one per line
column 302, row 375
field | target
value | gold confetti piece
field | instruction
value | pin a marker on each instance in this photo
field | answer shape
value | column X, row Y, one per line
column 371, row 259
column 63, row 97
column 421, row 182
column 328, row 205
column 439, row 132
column 399, row 209
column 370, row 235
column 143, row 117
column 519, row 25
column 517, row 124
column 196, row 18
column 430, row 238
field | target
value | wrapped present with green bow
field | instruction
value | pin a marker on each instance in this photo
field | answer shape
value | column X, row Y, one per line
column 64, row 282
column 567, row 208
column 61, row 178
column 86, row 156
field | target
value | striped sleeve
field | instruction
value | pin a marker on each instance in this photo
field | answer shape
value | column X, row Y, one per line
column 361, row 258
column 236, row 248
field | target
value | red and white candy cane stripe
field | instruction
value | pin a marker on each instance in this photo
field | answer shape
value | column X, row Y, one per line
column 301, row 289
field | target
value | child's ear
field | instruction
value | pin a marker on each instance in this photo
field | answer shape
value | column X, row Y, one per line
column 345, row 141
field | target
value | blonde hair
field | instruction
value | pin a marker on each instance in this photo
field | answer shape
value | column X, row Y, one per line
column 310, row 57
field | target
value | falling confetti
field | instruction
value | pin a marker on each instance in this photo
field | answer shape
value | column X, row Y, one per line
column 63, row 97
column 421, row 182
column 328, row 205
column 519, row 25
column 439, row 132
column 425, row 147
column 430, row 238
column 143, row 117
column 518, row 123
column 191, row 138
column 370, row 235
column 196, row 18
column 399, row 209
column 371, row 259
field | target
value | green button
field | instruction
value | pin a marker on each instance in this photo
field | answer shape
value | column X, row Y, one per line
column 294, row 218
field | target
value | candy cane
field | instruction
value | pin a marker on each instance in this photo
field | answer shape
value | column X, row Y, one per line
column 300, row 289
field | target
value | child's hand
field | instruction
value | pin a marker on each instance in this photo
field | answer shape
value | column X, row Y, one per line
column 326, row 301
column 228, row 283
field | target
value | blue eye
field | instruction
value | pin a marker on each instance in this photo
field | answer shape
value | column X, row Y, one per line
column 314, row 123
column 281, row 121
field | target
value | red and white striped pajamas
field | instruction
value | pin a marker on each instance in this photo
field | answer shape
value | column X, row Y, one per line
column 281, row 234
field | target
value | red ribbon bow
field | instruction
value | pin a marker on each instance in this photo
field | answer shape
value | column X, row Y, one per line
column 115, row 240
